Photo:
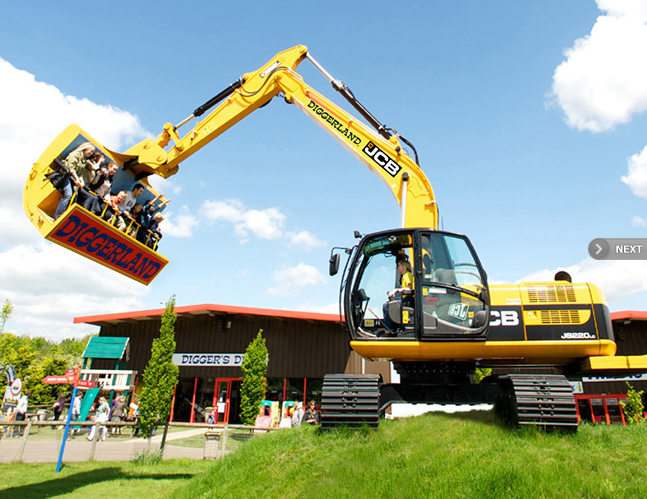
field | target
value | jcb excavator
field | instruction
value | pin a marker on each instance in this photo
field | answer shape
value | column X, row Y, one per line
column 446, row 324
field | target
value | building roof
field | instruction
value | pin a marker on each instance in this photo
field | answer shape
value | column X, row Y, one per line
column 628, row 315
column 204, row 309
column 105, row 347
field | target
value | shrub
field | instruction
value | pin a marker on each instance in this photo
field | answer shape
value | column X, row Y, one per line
column 633, row 407
column 160, row 375
column 252, row 389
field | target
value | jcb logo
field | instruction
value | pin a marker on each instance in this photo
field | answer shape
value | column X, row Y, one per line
column 504, row 318
column 382, row 159
column 458, row 310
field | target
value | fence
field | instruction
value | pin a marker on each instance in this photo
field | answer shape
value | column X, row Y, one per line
column 40, row 441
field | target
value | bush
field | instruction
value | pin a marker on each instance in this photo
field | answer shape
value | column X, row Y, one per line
column 633, row 407
column 148, row 457
column 252, row 389
column 160, row 375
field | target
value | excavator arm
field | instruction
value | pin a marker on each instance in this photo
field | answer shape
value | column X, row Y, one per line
column 78, row 226
column 380, row 150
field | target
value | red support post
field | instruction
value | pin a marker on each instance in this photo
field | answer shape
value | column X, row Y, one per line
column 622, row 414
column 305, row 385
column 606, row 411
column 172, row 404
column 195, row 388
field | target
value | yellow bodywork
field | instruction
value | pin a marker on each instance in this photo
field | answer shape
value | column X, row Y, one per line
column 550, row 305
column 487, row 352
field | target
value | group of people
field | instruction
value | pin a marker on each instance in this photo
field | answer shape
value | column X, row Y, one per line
column 92, row 180
column 309, row 416
column 104, row 412
column 140, row 221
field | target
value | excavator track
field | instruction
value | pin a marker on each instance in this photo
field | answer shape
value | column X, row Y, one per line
column 350, row 400
column 537, row 400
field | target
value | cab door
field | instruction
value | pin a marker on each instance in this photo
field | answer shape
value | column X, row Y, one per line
column 452, row 298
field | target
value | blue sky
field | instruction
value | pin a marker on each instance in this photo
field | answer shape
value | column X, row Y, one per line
column 526, row 117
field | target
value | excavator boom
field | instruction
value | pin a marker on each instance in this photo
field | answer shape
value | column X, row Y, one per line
column 379, row 149
column 381, row 152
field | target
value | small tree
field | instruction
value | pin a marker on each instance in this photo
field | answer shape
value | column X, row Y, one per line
column 252, row 389
column 480, row 373
column 160, row 375
column 633, row 407
column 5, row 315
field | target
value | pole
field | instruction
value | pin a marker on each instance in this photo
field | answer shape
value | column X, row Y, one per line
column 77, row 375
column 67, row 429
column 195, row 388
column 172, row 404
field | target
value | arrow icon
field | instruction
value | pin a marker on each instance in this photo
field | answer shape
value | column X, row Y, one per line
column 599, row 248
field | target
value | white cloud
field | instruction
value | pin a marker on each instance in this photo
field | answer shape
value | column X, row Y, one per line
column 602, row 81
column 48, row 285
column 616, row 279
column 332, row 308
column 265, row 224
column 178, row 226
column 636, row 177
column 638, row 222
column 291, row 280
column 33, row 113
column 164, row 186
column 305, row 240
column 16, row 228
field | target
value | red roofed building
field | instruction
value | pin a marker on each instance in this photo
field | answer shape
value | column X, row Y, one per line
column 303, row 347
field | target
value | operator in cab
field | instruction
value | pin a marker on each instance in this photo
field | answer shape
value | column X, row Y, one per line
column 406, row 298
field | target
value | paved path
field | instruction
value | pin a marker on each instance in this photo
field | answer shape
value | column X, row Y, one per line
column 78, row 449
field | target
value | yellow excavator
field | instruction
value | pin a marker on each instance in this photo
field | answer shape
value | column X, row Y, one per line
column 437, row 330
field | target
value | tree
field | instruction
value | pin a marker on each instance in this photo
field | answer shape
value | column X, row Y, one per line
column 480, row 373
column 633, row 407
column 160, row 375
column 5, row 315
column 35, row 358
column 252, row 389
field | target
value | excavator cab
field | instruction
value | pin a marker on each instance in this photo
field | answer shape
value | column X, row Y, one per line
column 449, row 298
column 91, row 229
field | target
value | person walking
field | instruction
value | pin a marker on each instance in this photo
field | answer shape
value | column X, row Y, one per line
column 102, row 416
column 21, row 411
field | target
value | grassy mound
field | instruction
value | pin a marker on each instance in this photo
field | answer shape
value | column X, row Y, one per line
column 436, row 455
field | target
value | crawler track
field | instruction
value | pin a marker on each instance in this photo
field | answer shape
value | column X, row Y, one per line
column 537, row 400
column 350, row 400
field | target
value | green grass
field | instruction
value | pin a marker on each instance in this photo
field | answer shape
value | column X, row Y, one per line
column 196, row 442
column 123, row 480
column 52, row 432
column 463, row 455
column 466, row 455
column 234, row 440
